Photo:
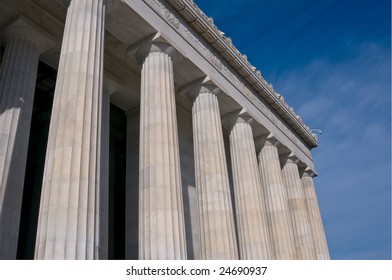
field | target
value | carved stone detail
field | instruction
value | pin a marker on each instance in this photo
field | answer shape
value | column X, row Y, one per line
column 170, row 17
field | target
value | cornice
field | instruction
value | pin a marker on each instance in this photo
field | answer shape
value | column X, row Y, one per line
column 206, row 28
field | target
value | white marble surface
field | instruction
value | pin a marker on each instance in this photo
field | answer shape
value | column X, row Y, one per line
column 280, row 224
column 216, row 222
column 67, row 226
column 161, row 213
column 253, row 233
column 298, row 209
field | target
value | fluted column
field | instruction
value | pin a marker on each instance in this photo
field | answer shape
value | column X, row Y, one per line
column 161, row 214
column 253, row 235
column 298, row 209
column 281, row 227
column 216, row 222
column 316, row 223
column 17, row 86
column 68, row 225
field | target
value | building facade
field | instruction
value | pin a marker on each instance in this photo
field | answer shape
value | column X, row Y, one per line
column 134, row 129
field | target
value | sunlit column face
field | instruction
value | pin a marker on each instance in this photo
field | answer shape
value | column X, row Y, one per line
column 281, row 227
column 68, row 225
column 161, row 215
column 253, row 231
column 298, row 209
column 217, row 233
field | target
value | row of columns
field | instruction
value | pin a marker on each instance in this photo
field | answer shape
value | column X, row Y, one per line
column 277, row 212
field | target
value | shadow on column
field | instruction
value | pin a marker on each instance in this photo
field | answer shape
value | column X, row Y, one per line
column 231, row 183
column 189, row 193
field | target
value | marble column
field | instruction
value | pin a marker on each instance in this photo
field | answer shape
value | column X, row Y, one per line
column 216, row 221
column 280, row 224
column 25, row 42
column 161, row 213
column 316, row 223
column 68, row 226
column 253, row 234
column 298, row 209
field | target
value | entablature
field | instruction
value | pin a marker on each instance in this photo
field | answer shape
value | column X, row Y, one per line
column 205, row 26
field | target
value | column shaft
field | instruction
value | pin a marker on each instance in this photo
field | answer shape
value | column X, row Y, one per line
column 161, row 214
column 217, row 232
column 316, row 223
column 17, row 85
column 68, row 224
column 277, row 203
column 298, row 210
column 254, row 240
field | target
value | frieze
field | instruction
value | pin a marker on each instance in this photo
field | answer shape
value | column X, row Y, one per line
column 170, row 18
column 201, row 48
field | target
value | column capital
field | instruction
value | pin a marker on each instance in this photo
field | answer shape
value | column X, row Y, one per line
column 108, row 4
column 307, row 172
column 158, row 47
column 289, row 158
column 205, row 85
column 237, row 117
column 266, row 140
column 25, row 29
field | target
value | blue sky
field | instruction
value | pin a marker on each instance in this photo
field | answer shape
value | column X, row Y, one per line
column 331, row 60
